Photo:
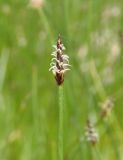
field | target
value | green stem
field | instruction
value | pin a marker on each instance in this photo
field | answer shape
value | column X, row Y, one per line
column 97, row 153
column 34, row 97
column 46, row 23
column 60, row 131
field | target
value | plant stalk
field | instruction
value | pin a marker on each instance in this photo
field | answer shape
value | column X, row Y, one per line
column 60, row 127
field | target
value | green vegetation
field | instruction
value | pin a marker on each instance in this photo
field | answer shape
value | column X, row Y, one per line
column 93, row 36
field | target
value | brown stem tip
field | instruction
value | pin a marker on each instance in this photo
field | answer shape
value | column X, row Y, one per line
column 91, row 134
column 60, row 62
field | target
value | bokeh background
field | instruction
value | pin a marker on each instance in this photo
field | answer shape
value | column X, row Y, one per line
column 92, row 32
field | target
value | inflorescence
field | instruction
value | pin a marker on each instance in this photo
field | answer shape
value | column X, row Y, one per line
column 60, row 62
column 91, row 134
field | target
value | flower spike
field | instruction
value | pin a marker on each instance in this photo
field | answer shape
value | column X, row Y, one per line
column 91, row 134
column 60, row 62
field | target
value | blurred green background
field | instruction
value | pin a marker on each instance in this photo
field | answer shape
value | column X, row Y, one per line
column 93, row 36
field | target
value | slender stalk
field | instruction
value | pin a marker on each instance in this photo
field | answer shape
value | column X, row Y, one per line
column 46, row 23
column 96, row 153
column 60, row 127
column 35, row 98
